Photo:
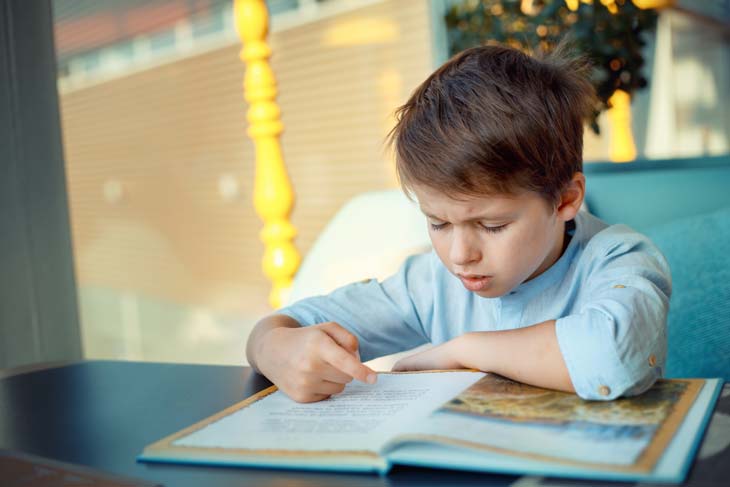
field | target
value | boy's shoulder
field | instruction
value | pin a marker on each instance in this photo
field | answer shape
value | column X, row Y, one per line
column 603, row 241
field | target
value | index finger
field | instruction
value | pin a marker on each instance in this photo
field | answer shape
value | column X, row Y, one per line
column 343, row 360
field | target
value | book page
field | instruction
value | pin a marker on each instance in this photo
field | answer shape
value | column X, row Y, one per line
column 362, row 417
column 499, row 415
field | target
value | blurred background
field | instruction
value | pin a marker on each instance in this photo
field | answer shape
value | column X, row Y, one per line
column 160, row 169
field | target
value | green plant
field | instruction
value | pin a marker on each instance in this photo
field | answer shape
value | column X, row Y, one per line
column 611, row 41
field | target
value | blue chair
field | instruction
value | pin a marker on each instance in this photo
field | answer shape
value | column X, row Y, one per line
column 683, row 205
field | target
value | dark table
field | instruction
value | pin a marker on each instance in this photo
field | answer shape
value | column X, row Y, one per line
column 102, row 414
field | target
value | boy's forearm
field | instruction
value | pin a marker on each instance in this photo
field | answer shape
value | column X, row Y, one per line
column 264, row 326
column 530, row 355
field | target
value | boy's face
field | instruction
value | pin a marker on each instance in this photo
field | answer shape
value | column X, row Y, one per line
column 494, row 243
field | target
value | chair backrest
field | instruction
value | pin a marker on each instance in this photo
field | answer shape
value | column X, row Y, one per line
column 683, row 205
column 698, row 251
column 644, row 194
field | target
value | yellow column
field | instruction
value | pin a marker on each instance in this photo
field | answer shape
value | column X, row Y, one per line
column 623, row 148
column 273, row 194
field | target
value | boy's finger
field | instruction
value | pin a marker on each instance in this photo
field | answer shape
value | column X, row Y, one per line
column 340, row 359
column 305, row 398
column 341, row 336
column 332, row 374
column 329, row 388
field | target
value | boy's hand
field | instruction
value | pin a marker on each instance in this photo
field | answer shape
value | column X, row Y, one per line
column 441, row 357
column 312, row 363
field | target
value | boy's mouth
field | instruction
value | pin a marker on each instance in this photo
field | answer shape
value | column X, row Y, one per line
column 475, row 282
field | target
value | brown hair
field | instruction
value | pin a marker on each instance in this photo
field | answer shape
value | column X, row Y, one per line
column 495, row 120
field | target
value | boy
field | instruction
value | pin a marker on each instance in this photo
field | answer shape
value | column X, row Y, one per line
column 520, row 283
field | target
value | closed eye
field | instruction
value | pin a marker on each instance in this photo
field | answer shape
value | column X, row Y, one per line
column 440, row 226
column 493, row 229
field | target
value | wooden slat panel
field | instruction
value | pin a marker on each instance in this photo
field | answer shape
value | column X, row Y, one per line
column 167, row 135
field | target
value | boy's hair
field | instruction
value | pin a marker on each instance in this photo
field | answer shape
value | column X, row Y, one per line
column 493, row 120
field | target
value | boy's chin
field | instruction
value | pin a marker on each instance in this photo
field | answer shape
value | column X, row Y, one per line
column 488, row 294
column 491, row 293
column 496, row 290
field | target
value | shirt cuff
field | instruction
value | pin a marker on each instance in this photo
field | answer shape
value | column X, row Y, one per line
column 587, row 344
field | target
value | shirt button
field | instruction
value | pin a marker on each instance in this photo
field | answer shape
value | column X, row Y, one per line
column 604, row 390
column 652, row 360
column 619, row 286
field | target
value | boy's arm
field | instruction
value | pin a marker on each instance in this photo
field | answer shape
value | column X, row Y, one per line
column 312, row 348
column 530, row 355
column 307, row 363
column 613, row 344
column 384, row 316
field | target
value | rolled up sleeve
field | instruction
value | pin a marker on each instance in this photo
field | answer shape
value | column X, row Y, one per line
column 615, row 344
column 385, row 317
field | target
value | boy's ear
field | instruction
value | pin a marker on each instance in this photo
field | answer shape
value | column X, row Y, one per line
column 572, row 197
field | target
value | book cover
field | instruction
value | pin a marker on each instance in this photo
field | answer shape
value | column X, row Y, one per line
column 457, row 419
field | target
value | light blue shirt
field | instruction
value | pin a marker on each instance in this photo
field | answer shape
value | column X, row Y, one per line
column 609, row 293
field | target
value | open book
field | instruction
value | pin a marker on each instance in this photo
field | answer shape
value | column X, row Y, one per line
column 457, row 419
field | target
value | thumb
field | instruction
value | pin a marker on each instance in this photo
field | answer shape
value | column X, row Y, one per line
column 342, row 337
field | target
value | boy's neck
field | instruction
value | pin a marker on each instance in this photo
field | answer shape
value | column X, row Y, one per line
column 558, row 250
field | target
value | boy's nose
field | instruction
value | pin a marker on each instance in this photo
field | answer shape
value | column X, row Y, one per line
column 464, row 250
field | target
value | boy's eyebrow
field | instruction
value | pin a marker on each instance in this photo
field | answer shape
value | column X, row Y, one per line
column 472, row 219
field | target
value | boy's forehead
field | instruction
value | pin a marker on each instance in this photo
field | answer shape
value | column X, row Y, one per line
column 434, row 202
